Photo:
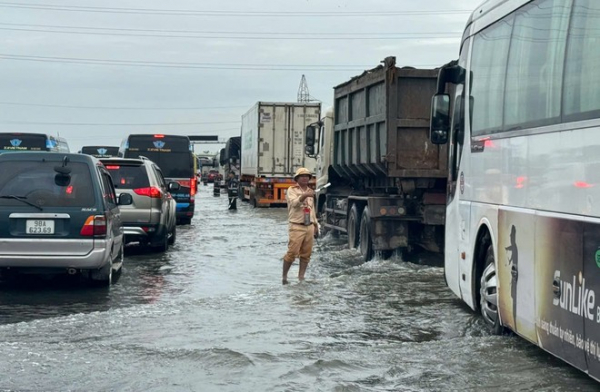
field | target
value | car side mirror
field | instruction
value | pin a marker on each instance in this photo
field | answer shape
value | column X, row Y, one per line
column 440, row 119
column 174, row 186
column 125, row 199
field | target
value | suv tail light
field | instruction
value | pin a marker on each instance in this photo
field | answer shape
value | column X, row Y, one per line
column 193, row 183
column 95, row 225
column 153, row 192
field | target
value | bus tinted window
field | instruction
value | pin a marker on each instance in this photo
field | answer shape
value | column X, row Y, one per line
column 171, row 153
column 23, row 142
column 535, row 65
column 490, row 51
column 144, row 143
column 173, row 165
column 581, row 98
column 101, row 151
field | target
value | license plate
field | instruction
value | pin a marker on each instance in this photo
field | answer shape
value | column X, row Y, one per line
column 38, row 226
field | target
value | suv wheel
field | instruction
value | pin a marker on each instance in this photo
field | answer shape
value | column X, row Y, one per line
column 173, row 235
column 163, row 243
column 103, row 276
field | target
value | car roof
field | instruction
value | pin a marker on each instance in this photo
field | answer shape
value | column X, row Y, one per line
column 48, row 156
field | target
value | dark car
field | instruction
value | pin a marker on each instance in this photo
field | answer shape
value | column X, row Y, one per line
column 59, row 213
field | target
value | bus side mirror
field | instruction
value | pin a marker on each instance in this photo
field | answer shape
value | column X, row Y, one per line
column 440, row 119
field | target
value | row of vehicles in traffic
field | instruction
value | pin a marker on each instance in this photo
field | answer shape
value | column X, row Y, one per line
column 64, row 212
column 488, row 162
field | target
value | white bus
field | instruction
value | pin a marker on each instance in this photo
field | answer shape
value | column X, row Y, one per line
column 522, row 242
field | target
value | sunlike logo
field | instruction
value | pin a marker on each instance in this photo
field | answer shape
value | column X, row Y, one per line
column 102, row 151
column 159, row 144
column 16, row 142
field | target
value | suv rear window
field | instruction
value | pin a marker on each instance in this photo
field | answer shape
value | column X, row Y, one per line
column 128, row 176
column 35, row 181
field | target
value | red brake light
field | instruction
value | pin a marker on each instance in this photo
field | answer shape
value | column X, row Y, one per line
column 113, row 167
column 159, row 136
column 583, row 184
column 152, row 192
column 69, row 190
column 193, row 186
column 95, row 225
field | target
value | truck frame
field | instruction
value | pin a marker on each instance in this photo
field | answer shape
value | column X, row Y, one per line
column 388, row 181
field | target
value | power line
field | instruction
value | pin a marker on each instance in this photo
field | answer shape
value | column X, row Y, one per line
column 114, row 124
column 385, row 33
column 188, row 12
column 116, row 107
column 240, row 37
column 229, row 66
column 103, row 31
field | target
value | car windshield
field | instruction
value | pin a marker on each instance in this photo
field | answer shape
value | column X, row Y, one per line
column 36, row 182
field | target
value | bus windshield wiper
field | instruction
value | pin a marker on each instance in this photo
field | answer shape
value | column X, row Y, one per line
column 23, row 199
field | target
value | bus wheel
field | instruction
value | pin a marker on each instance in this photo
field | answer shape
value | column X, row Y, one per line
column 489, row 293
column 353, row 227
column 366, row 244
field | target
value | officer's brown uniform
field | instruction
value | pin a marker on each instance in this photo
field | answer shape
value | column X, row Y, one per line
column 300, row 236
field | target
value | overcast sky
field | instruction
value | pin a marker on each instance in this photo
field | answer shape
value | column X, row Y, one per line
column 96, row 71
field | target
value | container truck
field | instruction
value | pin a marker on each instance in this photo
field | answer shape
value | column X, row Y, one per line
column 388, row 181
column 272, row 149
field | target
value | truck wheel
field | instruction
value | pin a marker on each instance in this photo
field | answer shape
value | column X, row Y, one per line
column 366, row 244
column 353, row 227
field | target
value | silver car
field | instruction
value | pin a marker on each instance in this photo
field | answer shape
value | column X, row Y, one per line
column 59, row 213
column 151, row 219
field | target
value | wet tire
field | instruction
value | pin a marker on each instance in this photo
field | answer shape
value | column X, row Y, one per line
column 353, row 227
column 366, row 243
column 173, row 235
column 103, row 277
column 489, row 293
column 162, row 245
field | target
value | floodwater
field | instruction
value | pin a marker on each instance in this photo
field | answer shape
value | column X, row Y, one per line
column 211, row 315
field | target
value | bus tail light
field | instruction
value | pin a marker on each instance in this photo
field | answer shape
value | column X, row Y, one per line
column 95, row 225
column 152, row 192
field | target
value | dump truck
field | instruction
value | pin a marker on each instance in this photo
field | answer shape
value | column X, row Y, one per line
column 272, row 149
column 388, row 181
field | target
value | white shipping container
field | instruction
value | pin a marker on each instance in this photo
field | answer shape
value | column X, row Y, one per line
column 273, row 138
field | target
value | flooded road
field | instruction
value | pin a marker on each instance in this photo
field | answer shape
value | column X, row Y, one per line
column 211, row 315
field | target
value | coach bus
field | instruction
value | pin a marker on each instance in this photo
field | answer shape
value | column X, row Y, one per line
column 22, row 141
column 522, row 242
column 101, row 151
column 173, row 154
